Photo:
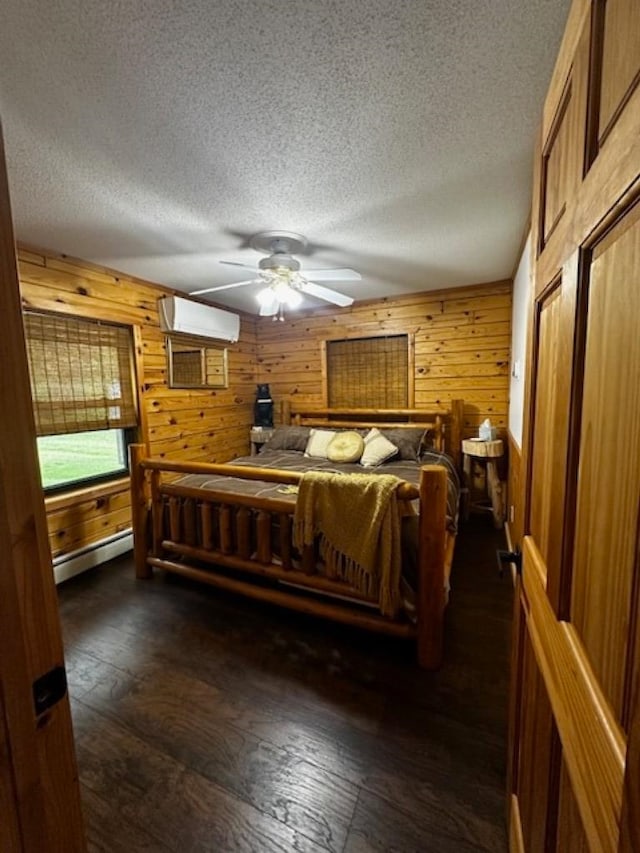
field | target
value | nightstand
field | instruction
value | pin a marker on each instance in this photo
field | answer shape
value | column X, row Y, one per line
column 487, row 453
column 258, row 436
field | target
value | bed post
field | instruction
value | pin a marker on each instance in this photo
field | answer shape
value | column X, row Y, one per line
column 457, row 424
column 286, row 412
column 431, row 558
column 139, row 510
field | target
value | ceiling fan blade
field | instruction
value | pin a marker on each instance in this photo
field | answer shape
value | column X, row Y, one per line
column 332, row 275
column 237, row 264
column 269, row 305
column 222, row 287
column 325, row 293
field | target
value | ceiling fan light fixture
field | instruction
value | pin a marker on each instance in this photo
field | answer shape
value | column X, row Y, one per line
column 286, row 295
column 265, row 295
column 294, row 299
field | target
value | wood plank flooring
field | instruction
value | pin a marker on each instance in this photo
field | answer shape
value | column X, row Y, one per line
column 207, row 722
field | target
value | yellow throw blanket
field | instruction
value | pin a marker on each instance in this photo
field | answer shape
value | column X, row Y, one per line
column 356, row 518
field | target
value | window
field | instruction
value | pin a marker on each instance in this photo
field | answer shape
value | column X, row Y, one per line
column 194, row 363
column 82, row 457
column 186, row 368
column 368, row 372
column 83, row 396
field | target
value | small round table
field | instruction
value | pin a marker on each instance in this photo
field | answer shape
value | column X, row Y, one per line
column 259, row 436
column 487, row 452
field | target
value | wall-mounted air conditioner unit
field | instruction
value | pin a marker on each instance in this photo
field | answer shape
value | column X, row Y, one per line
column 183, row 316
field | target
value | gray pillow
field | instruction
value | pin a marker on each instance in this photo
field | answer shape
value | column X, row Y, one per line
column 407, row 441
column 288, row 438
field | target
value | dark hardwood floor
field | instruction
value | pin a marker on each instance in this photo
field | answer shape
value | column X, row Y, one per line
column 206, row 722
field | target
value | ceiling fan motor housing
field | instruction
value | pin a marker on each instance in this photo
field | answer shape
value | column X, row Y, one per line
column 279, row 243
column 279, row 261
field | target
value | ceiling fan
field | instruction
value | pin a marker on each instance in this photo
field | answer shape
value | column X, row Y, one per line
column 279, row 273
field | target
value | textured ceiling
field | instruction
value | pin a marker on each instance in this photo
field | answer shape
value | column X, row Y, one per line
column 153, row 136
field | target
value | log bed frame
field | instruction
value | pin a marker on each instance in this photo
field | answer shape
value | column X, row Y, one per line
column 229, row 522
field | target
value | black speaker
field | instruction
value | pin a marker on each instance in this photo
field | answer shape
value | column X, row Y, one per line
column 263, row 410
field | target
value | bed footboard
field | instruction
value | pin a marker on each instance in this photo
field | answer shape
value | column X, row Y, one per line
column 198, row 534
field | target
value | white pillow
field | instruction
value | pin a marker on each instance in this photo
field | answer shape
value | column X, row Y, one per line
column 377, row 449
column 318, row 443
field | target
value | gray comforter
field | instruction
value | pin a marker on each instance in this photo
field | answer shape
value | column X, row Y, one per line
column 292, row 460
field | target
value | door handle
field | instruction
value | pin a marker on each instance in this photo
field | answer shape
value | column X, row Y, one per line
column 49, row 689
column 506, row 557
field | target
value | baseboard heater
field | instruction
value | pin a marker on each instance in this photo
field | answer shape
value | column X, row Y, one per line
column 68, row 565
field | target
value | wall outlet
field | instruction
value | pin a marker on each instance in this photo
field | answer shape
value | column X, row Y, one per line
column 512, row 514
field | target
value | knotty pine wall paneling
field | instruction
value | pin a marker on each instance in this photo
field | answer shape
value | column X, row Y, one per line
column 203, row 425
column 461, row 344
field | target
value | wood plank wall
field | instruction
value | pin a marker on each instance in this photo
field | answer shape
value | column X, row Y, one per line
column 461, row 339
column 186, row 424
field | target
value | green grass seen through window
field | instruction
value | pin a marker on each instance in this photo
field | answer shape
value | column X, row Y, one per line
column 80, row 456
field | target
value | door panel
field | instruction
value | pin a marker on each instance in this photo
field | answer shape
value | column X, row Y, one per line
column 37, row 758
column 571, row 835
column 9, row 827
column 593, row 743
column 543, row 463
column 609, row 469
column 560, row 163
column 630, row 830
column 536, row 725
column 553, row 352
column 620, row 62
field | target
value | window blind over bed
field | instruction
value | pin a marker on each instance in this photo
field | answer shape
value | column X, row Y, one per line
column 368, row 372
column 81, row 374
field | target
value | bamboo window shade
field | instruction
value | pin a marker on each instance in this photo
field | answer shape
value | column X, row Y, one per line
column 368, row 372
column 187, row 367
column 81, row 374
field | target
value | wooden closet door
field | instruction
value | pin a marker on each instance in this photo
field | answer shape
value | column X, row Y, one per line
column 39, row 790
column 576, row 708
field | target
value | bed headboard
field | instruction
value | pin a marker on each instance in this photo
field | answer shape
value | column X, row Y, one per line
column 445, row 426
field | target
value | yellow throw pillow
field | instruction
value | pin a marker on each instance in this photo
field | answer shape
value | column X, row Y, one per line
column 345, row 446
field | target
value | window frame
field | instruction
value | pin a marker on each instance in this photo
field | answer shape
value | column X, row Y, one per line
column 206, row 350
